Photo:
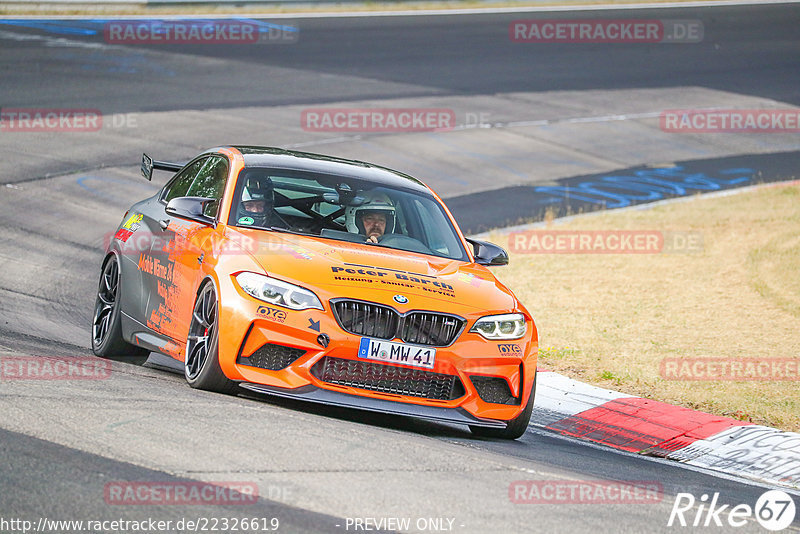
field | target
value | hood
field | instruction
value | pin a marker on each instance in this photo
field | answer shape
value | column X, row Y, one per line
column 334, row 269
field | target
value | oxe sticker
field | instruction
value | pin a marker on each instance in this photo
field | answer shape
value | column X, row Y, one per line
column 273, row 314
column 509, row 349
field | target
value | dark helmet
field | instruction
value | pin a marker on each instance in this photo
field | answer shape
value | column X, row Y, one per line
column 258, row 201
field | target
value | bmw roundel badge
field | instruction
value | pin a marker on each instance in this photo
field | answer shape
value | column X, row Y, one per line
column 400, row 299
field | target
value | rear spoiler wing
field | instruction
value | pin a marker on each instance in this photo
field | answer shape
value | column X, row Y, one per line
column 148, row 165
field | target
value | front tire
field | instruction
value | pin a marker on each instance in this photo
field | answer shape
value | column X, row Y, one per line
column 515, row 428
column 107, row 341
column 202, row 368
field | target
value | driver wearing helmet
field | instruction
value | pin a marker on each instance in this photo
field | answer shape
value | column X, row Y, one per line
column 374, row 218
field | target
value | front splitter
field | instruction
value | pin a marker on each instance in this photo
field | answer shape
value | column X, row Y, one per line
column 334, row 398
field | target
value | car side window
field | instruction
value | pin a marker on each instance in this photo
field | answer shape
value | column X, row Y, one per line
column 179, row 186
column 210, row 183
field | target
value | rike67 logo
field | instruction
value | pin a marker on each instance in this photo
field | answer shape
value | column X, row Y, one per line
column 774, row 510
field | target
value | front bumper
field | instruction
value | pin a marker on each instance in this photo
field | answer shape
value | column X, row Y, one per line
column 296, row 371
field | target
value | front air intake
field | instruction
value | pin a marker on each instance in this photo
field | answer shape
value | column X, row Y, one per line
column 271, row 357
column 388, row 378
column 493, row 389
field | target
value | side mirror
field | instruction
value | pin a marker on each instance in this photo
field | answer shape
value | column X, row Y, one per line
column 488, row 254
column 191, row 208
column 147, row 167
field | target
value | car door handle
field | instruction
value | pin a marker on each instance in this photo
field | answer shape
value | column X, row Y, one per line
column 163, row 223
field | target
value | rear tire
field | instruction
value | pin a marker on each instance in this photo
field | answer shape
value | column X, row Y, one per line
column 515, row 427
column 107, row 341
column 202, row 368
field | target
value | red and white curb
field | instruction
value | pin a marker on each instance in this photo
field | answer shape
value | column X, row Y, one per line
column 653, row 428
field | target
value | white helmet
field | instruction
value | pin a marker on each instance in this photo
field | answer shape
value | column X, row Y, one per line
column 374, row 203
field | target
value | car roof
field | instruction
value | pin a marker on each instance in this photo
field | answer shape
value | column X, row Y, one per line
column 279, row 158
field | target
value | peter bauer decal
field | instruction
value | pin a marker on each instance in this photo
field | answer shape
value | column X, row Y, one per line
column 375, row 275
column 273, row 314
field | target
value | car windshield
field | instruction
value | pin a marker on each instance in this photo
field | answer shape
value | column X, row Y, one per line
column 344, row 209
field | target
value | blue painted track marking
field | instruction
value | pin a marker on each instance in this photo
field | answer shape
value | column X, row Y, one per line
column 81, row 181
column 643, row 186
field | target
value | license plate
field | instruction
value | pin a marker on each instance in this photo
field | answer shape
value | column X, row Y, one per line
column 391, row 352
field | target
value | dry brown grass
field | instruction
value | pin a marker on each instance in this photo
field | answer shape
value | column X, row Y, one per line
column 609, row 320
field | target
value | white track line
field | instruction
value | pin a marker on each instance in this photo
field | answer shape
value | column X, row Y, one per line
column 419, row 12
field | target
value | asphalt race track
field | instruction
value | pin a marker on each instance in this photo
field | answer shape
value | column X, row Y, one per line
column 531, row 119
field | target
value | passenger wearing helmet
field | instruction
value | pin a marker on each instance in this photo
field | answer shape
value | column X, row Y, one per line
column 374, row 218
column 258, row 201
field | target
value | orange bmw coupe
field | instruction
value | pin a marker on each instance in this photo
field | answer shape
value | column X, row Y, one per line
column 321, row 279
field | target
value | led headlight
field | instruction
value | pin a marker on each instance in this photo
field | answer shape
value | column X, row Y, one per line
column 507, row 326
column 277, row 292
